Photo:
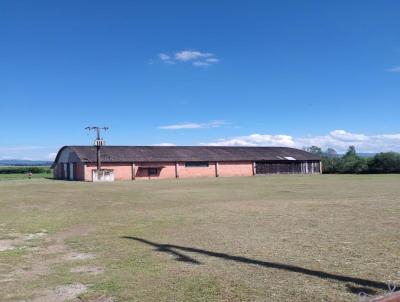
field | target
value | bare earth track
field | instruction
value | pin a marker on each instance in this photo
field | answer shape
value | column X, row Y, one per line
column 280, row 238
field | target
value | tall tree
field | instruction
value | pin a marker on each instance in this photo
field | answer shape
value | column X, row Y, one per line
column 330, row 152
column 315, row 150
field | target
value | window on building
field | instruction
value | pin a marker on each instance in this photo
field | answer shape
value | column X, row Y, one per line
column 153, row 171
column 195, row 164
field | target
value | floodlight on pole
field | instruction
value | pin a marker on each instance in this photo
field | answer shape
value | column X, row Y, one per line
column 99, row 142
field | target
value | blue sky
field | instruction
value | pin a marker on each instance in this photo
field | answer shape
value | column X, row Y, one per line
column 290, row 73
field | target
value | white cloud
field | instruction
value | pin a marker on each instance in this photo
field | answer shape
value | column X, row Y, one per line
column 197, row 58
column 189, row 55
column 394, row 69
column 340, row 140
column 211, row 124
column 347, row 136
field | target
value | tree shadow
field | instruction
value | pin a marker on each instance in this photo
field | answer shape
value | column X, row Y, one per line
column 170, row 249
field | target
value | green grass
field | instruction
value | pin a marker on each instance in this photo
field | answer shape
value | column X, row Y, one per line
column 278, row 238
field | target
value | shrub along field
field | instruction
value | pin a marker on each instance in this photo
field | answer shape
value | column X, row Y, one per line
column 353, row 163
column 22, row 172
column 274, row 238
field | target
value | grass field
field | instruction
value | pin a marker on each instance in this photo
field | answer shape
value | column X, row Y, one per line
column 280, row 238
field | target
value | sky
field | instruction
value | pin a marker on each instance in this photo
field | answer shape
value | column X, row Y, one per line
column 254, row 73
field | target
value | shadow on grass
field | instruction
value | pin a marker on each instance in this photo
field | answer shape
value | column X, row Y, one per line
column 171, row 249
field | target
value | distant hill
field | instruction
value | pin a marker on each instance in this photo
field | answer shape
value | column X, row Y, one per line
column 359, row 154
column 366, row 154
column 22, row 162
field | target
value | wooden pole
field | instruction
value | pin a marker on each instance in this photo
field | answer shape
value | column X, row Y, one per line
column 216, row 169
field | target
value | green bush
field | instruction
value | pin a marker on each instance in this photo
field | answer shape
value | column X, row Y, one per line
column 24, row 170
column 385, row 163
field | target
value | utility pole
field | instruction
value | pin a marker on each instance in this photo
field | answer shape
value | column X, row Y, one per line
column 99, row 142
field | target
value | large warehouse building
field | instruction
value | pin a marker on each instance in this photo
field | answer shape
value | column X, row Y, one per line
column 150, row 162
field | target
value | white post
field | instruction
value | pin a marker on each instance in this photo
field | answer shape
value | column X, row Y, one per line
column 133, row 171
column 176, row 169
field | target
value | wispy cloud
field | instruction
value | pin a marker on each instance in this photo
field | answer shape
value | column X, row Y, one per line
column 165, row 144
column 166, row 58
column 25, row 152
column 195, row 57
column 52, row 155
column 19, row 148
column 211, row 124
column 201, row 63
column 337, row 139
column 394, row 69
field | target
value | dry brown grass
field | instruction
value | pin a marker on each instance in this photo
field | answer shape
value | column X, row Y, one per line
column 281, row 238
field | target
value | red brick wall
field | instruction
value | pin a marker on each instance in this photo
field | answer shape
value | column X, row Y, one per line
column 167, row 171
column 122, row 171
column 186, row 172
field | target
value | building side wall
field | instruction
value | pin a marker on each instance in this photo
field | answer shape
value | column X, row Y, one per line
column 228, row 169
column 123, row 170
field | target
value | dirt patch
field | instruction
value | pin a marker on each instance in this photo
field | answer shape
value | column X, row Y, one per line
column 41, row 259
column 93, row 270
column 34, row 236
column 19, row 239
column 62, row 293
column 6, row 245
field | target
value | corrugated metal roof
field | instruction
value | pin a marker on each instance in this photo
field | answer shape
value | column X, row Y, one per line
column 186, row 153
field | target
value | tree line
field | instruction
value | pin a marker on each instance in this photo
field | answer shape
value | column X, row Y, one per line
column 24, row 170
column 351, row 162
